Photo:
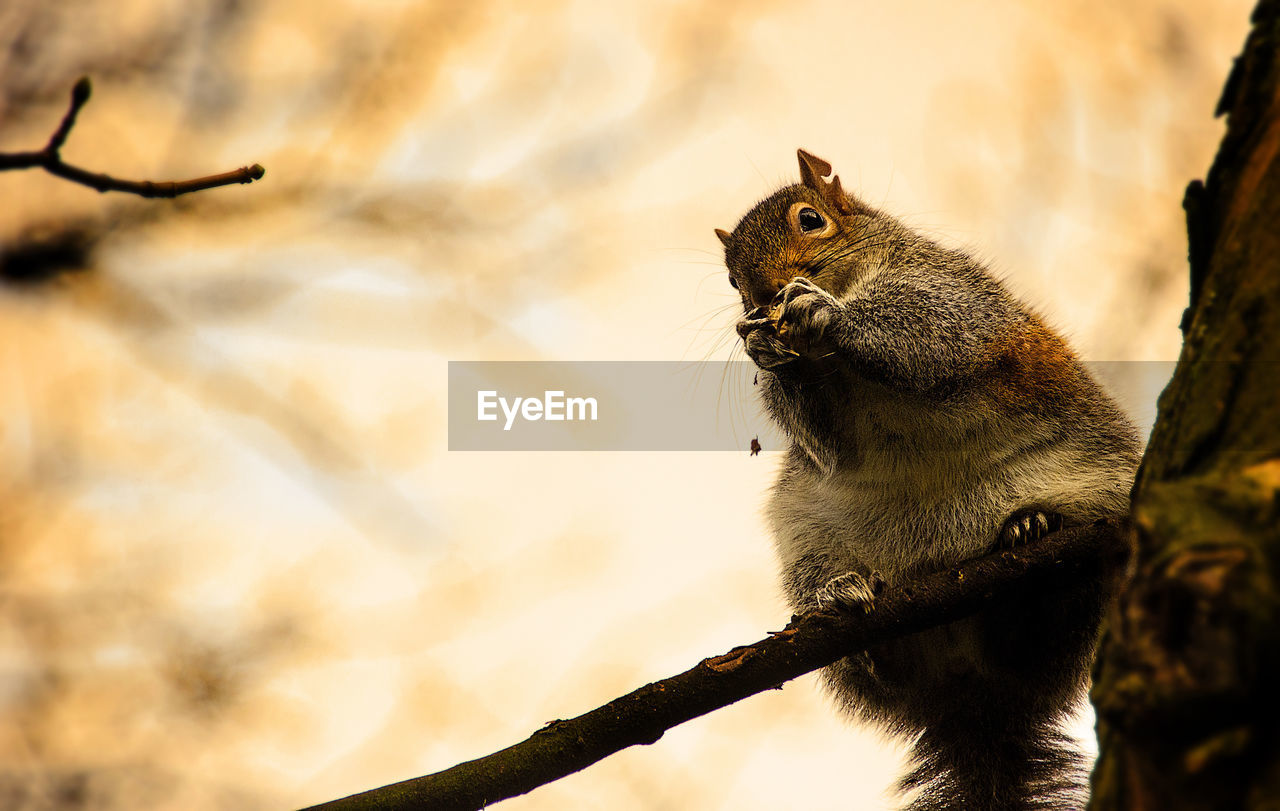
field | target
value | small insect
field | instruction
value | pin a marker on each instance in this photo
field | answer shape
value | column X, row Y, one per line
column 755, row 446
column 755, row 381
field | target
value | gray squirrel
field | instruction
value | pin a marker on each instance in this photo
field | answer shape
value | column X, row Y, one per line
column 932, row 418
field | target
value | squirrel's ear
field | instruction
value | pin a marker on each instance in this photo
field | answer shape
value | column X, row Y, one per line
column 837, row 197
column 812, row 171
column 724, row 235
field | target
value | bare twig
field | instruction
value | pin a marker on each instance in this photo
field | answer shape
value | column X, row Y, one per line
column 809, row 641
column 50, row 159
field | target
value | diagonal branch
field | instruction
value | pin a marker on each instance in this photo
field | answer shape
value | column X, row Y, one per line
column 809, row 641
column 50, row 159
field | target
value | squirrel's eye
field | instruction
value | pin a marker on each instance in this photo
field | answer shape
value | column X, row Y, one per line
column 809, row 220
column 733, row 282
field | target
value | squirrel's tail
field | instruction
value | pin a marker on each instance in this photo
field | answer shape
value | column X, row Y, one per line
column 989, row 760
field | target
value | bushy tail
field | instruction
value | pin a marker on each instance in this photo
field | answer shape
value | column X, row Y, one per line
column 987, row 761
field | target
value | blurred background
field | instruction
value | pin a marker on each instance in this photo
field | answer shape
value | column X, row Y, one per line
column 239, row 567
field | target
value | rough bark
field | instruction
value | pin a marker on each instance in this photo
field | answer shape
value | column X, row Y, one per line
column 1187, row 675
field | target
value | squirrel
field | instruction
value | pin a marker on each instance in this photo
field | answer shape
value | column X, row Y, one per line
column 932, row 418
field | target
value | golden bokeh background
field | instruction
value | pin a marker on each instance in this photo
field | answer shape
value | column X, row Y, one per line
column 239, row 567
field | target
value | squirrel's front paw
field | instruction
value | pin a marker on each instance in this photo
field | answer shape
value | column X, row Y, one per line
column 849, row 590
column 760, row 337
column 804, row 314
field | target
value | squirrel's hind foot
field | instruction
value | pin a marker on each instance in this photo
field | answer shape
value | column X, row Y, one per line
column 1025, row 526
column 849, row 590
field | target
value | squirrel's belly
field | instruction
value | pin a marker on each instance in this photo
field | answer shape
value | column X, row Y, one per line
column 893, row 528
column 927, row 513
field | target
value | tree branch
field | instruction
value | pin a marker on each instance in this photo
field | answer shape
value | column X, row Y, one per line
column 809, row 641
column 50, row 159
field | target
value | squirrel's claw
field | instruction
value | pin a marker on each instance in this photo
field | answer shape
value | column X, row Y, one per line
column 749, row 324
column 1025, row 526
column 798, row 286
column 765, row 347
column 849, row 590
column 763, row 343
column 793, row 325
column 803, row 312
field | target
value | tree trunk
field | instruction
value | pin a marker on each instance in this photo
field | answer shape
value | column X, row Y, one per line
column 1187, row 676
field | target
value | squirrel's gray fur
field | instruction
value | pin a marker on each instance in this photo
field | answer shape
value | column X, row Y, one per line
column 926, row 407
